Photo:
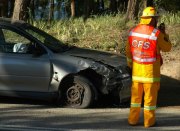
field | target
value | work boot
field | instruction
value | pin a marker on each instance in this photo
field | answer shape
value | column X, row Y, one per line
column 153, row 125
column 132, row 124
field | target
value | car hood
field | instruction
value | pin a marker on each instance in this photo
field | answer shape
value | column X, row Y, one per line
column 98, row 56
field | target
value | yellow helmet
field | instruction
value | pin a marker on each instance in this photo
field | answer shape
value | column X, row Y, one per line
column 148, row 13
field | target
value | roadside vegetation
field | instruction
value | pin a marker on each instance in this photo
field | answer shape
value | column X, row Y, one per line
column 106, row 32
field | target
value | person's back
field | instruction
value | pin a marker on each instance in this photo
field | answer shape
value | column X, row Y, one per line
column 143, row 55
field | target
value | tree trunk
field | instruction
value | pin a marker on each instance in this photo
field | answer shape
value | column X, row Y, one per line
column 73, row 8
column 131, row 10
column 3, row 8
column 31, row 13
column 32, row 7
column 87, row 9
column 11, row 7
column 122, row 5
column 51, row 12
column 21, row 10
column 100, row 5
column 140, row 7
column 113, row 6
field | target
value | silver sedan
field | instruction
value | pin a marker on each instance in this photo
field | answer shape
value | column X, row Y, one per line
column 33, row 64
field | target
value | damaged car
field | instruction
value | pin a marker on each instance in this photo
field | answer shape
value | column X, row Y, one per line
column 34, row 64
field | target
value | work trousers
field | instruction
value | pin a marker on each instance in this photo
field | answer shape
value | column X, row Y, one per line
column 150, row 91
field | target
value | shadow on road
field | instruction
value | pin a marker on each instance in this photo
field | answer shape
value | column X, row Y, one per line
column 169, row 94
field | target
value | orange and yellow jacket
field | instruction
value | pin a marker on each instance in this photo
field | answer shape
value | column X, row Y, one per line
column 148, row 73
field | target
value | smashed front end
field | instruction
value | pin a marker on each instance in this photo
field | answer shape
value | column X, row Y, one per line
column 115, row 80
column 108, row 71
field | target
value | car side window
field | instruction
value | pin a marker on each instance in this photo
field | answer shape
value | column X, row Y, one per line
column 13, row 42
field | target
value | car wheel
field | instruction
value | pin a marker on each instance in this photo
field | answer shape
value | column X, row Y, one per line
column 78, row 93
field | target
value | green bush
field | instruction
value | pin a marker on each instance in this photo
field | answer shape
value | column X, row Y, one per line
column 107, row 32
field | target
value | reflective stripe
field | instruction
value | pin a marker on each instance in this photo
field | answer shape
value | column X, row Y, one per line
column 149, row 107
column 143, row 35
column 129, row 60
column 135, row 104
column 154, row 32
column 144, row 59
column 145, row 79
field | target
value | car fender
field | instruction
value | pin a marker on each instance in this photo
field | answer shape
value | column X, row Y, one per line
column 64, row 66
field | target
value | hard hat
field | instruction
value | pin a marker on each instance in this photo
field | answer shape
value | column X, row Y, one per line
column 148, row 13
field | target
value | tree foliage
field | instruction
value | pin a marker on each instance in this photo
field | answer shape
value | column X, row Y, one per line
column 168, row 5
column 21, row 9
column 86, row 8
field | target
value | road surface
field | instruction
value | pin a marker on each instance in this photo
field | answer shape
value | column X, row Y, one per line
column 32, row 117
column 26, row 115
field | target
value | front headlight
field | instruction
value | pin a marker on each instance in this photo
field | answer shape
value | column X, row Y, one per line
column 124, row 71
column 100, row 69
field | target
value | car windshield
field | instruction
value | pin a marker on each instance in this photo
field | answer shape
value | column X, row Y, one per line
column 49, row 41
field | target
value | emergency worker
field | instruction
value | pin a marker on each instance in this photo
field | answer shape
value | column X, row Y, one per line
column 143, row 47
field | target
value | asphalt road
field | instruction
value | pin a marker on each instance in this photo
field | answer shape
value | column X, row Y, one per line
column 32, row 117
column 27, row 115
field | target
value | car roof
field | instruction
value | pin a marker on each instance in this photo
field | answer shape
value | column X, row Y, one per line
column 9, row 21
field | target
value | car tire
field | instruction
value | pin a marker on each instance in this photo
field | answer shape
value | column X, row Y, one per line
column 78, row 93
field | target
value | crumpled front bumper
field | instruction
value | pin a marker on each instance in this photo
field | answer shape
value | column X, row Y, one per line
column 120, row 83
column 116, row 81
column 125, row 92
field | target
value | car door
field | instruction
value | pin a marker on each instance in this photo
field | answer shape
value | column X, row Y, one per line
column 19, row 69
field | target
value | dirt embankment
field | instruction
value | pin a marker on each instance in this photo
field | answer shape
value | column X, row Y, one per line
column 171, row 67
column 170, row 79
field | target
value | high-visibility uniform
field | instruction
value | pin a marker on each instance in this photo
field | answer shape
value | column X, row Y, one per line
column 143, row 56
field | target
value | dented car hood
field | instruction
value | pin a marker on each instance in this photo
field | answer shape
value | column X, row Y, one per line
column 104, row 57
